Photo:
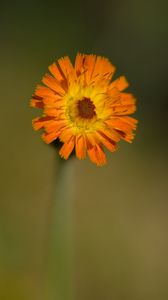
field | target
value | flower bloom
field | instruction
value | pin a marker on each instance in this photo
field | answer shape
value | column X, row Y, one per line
column 84, row 108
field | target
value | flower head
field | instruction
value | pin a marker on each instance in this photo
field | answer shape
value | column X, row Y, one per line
column 84, row 108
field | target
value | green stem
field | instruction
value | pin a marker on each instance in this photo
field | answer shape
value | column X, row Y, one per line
column 61, row 220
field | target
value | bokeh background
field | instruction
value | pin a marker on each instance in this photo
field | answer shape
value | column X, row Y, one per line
column 117, row 226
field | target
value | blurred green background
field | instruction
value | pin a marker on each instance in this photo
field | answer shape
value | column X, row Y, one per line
column 119, row 223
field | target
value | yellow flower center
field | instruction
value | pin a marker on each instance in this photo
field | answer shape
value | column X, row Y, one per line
column 86, row 108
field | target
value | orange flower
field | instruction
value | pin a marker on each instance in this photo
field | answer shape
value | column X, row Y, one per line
column 83, row 108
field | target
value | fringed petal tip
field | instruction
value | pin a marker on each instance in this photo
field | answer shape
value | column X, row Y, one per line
column 66, row 150
column 50, row 137
column 36, row 124
column 97, row 155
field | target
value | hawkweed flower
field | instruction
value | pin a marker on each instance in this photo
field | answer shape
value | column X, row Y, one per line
column 84, row 108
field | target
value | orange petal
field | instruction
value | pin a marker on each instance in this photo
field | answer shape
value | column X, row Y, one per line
column 133, row 122
column 52, row 112
column 50, row 137
column 123, row 109
column 113, row 96
column 101, row 157
column 55, row 101
column 109, row 133
column 39, row 123
column 121, row 124
column 80, row 147
column 67, row 67
column 127, row 98
column 97, row 155
column 34, row 102
column 66, row 135
column 128, row 137
column 90, row 140
column 53, row 84
column 124, row 126
column 54, row 125
column 103, row 68
column 90, row 61
column 56, row 72
column 106, row 141
column 66, row 149
column 44, row 91
column 79, row 63
column 121, row 83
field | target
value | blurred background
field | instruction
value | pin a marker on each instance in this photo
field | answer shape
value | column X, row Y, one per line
column 116, row 224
